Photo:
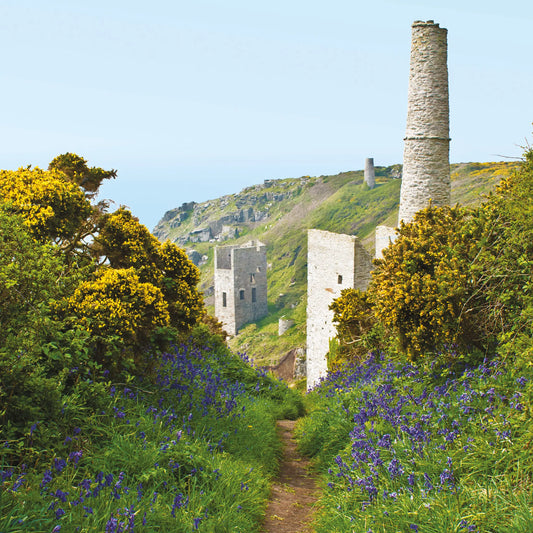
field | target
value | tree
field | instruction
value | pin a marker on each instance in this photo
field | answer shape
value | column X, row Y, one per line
column 75, row 168
column 54, row 209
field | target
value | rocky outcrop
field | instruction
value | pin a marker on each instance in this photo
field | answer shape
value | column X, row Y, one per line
column 224, row 218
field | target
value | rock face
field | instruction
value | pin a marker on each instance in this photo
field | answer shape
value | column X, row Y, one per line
column 225, row 218
column 426, row 164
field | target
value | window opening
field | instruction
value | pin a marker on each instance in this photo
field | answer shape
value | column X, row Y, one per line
column 241, row 294
column 254, row 294
column 224, row 300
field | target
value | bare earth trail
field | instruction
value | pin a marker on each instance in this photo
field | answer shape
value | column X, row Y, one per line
column 295, row 491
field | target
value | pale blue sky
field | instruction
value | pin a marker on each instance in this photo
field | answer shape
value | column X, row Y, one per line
column 192, row 100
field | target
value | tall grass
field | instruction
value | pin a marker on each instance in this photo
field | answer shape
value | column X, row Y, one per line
column 405, row 450
column 192, row 449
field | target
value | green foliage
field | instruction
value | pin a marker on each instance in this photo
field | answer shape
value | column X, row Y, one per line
column 122, row 315
column 36, row 347
column 128, row 244
column 453, row 277
column 358, row 330
column 76, row 170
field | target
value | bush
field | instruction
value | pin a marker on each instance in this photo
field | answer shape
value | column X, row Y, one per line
column 122, row 315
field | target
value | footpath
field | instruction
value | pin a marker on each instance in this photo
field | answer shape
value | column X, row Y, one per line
column 294, row 493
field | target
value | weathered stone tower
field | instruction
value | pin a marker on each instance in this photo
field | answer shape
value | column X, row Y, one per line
column 370, row 175
column 334, row 262
column 426, row 164
column 240, row 284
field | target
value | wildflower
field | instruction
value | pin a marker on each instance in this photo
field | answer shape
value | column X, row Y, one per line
column 74, row 457
column 60, row 495
column 395, row 468
column 59, row 513
column 18, row 483
column 47, row 477
column 59, row 464
column 112, row 525
column 521, row 381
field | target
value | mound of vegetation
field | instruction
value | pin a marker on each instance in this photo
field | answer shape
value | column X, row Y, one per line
column 402, row 448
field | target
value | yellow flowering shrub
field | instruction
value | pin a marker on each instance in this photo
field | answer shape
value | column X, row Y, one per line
column 422, row 289
column 75, row 168
column 120, row 312
column 53, row 207
column 127, row 243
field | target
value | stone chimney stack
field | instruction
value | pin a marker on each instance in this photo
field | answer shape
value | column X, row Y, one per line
column 426, row 160
column 370, row 176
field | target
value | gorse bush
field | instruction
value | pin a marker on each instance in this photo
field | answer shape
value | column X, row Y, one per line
column 79, row 287
column 122, row 316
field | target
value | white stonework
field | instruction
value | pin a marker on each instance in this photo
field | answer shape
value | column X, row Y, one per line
column 370, row 174
column 284, row 324
column 334, row 262
column 240, row 284
column 385, row 235
column 426, row 166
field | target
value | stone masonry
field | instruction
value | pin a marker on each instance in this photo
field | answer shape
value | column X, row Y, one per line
column 426, row 159
column 426, row 165
column 240, row 284
column 370, row 174
column 334, row 262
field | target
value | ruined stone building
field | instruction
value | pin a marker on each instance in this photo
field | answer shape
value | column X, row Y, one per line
column 370, row 173
column 240, row 284
column 426, row 160
column 334, row 262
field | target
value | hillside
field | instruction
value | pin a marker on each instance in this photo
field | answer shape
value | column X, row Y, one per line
column 279, row 212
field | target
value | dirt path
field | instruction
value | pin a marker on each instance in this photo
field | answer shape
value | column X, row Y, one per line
column 294, row 492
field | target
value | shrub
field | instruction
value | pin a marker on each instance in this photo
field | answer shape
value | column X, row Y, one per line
column 121, row 313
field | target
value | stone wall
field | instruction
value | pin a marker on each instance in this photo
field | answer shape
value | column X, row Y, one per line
column 240, row 284
column 384, row 236
column 426, row 167
column 334, row 262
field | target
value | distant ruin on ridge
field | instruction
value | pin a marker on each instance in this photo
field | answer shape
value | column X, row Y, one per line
column 240, row 284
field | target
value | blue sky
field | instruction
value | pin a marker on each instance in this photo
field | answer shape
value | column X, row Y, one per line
column 193, row 100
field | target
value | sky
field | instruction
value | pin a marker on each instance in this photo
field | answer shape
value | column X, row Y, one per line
column 191, row 100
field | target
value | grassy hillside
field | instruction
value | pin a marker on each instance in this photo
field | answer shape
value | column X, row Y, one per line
column 284, row 210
